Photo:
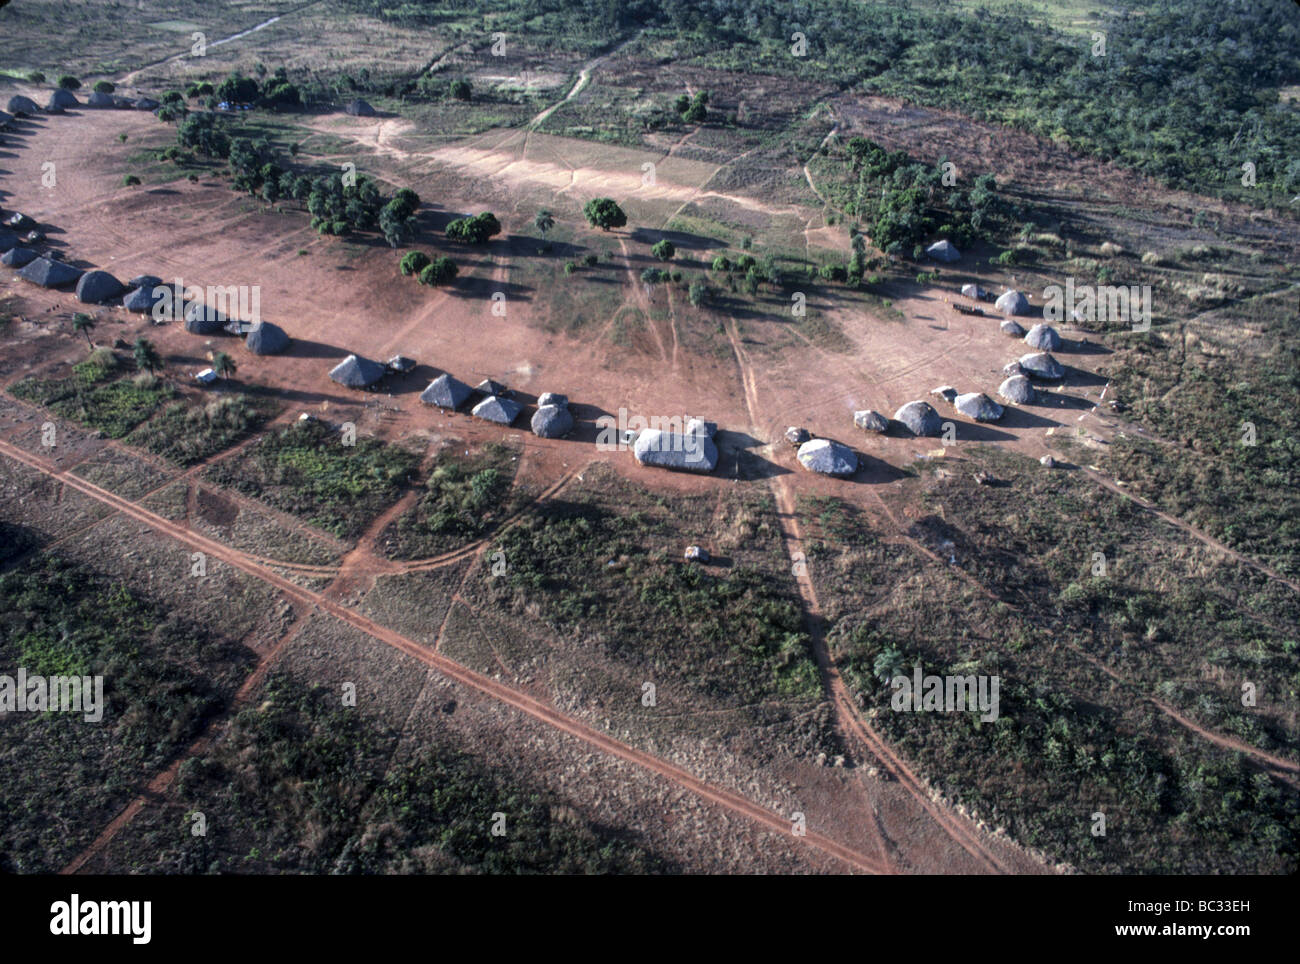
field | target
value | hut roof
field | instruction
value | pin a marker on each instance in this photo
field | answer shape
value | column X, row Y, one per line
column 1013, row 303
column 142, row 298
column 1017, row 389
column 49, row 273
column 95, row 287
column 357, row 372
column 503, row 411
column 920, row 418
column 871, row 421
column 826, row 457
column 22, row 106
column 1043, row 337
column 59, row 99
column 978, row 406
column 202, row 320
column 266, row 339
column 1042, row 365
column 675, row 450
column 944, row 251
column 446, row 392
column 359, row 108
column 17, row 257
column 552, row 421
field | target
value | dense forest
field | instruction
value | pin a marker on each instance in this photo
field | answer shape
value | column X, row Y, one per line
column 1186, row 90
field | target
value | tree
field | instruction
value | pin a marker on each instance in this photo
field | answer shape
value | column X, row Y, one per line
column 201, row 133
column 413, row 262
column 698, row 293
column 544, row 221
column 223, row 364
column 85, row 324
column 36, row 77
column 604, row 213
column 146, row 355
column 397, row 221
column 722, row 263
column 237, row 89
column 438, row 271
column 698, row 111
column 104, row 87
column 475, row 230
column 461, row 89
column 68, row 82
column 663, row 250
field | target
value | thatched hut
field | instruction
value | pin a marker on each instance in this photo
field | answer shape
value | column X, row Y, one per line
column 978, row 406
column 266, row 339
column 1042, row 365
column 871, row 421
column 826, row 457
column 1013, row 303
column 675, row 450
column 357, row 372
column 21, row 106
column 919, row 418
column 552, row 421
column 1043, row 337
column 96, row 287
column 944, row 251
column 502, row 411
column 1017, row 389
column 17, row 257
column 49, row 273
column 446, row 392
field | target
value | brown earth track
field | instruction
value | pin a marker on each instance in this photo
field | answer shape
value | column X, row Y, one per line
column 485, row 685
column 160, row 783
column 848, row 719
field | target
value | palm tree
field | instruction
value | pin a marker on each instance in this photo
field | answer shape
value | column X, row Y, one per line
column 146, row 355
column 544, row 221
column 84, row 323
column 223, row 364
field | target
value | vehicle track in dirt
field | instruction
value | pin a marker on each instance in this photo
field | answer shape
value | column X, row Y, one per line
column 847, row 717
column 163, row 780
column 723, row 798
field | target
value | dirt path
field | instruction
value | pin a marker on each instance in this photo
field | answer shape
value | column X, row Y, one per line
column 160, row 783
column 127, row 79
column 848, row 720
column 1191, row 530
column 473, row 680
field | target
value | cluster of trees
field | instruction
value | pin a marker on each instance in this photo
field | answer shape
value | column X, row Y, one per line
column 1186, row 90
column 339, row 203
column 426, row 270
column 693, row 110
column 474, row 230
column 905, row 203
column 276, row 92
column 342, row 205
column 746, row 273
